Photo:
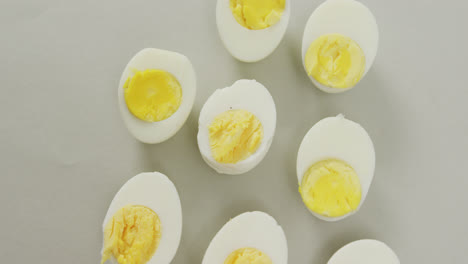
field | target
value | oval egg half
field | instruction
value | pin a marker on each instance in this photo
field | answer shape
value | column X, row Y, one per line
column 182, row 70
column 340, row 141
column 366, row 251
column 152, row 190
column 245, row 44
column 349, row 18
column 250, row 97
column 256, row 231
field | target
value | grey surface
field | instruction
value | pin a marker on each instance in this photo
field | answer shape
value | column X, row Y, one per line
column 65, row 150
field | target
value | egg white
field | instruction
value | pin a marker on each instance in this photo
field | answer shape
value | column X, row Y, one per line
column 342, row 139
column 247, row 95
column 249, row 45
column 155, row 191
column 174, row 63
column 346, row 17
column 252, row 229
column 366, row 251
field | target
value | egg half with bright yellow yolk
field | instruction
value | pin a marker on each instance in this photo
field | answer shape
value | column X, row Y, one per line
column 236, row 127
column 339, row 44
column 252, row 29
column 144, row 222
column 156, row 94
column 335, row 167
column 252, row 237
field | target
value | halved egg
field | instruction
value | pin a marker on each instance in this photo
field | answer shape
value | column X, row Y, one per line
column 156, row 94
column 252, row 237
column 339, row 44
column 366, row 251
column 144, row 222
column 335, row 167
column 236, row 127
column 252, row 29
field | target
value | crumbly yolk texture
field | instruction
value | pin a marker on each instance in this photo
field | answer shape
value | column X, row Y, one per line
column 335, row 61
column 132, row 235
column 234, row 135
column 257, row 14
column 331, row 188
column 247, row 256
column 152, row 95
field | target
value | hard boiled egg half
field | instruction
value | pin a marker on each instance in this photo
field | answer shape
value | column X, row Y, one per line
column 144, row 222
column 252, row 237
column 339, row 44
column 335, row 167
column 156, row 94
column 236, row 127
column 252, row 29
column 366, row 251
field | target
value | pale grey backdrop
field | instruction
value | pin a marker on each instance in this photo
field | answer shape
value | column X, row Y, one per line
column 65, row 151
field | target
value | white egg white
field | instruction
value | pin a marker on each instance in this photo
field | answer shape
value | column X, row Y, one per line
column 346, row 17
column 366, row 251
column 247, row 95
column 155, row 191
column 249, row 45
column 252, row 229
column 342, row 139
column 174, row 63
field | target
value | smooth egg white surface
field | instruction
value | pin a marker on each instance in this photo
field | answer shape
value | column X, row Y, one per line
column 249, row 45
column 252, row 229
column 346, row 17
column 342, row 139
column 248, row 95
column 155, row 191
column 174, row 63
column 366, row 251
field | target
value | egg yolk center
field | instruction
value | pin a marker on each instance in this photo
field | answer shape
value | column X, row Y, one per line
column 247, row 256
column 234, row 135
column 152, row 95
column 335, row 61
column 132, row 235
column 331, row 188
column 257, row 14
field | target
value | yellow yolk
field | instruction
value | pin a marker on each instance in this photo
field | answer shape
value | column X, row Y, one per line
column 234, row 135
column 247, row 256
column 132, row 235
column 335, row 61
column 331, row 188
column 152, row 95
column 257, row 14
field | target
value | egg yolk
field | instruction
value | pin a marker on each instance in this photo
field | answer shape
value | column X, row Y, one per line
column 234, row 135
column 331, row 188
column 247, row 256
column 335, row 61
column 257, row 14
column 152, row 95
column 132, row 235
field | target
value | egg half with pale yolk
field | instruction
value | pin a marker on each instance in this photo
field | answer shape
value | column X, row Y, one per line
column 156, row 94
column 339, row 44
column 252, row 237
column 236, row 127
column 252, row 29
column 365, row 251
column 335, row 167
column 144, row 222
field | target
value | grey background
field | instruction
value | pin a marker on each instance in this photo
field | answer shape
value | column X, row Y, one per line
column 65, row 150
